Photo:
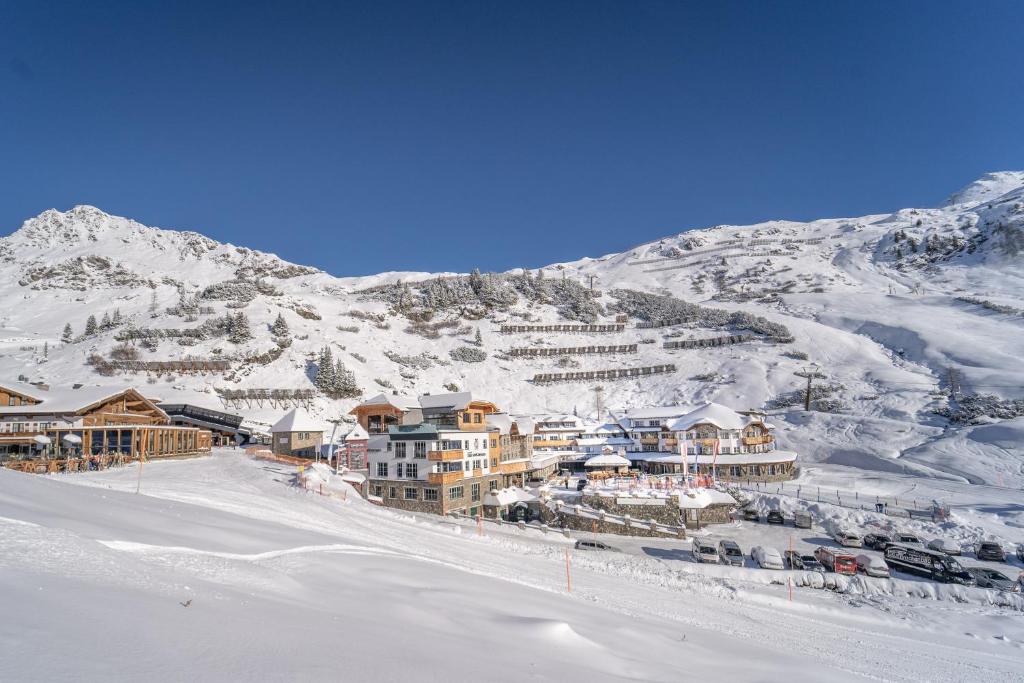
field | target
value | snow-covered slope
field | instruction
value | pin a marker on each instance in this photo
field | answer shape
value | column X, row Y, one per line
column 895, row 309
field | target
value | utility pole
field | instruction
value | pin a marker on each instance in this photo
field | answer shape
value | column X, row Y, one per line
column 599, row 400
column 810, row 372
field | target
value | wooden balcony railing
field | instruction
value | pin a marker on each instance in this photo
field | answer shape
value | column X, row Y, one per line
column 442, row 478
column 446, row 455
column 757, row 440
column 478, row 472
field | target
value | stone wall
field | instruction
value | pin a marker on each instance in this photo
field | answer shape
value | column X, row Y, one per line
column 666, row 514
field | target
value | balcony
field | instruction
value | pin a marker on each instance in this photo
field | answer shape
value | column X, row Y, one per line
column 514, row 467
column 446, row 455
column 553, row 443
column 649, row 439
column 757, row 440
column 442, row 478
column 478, row 472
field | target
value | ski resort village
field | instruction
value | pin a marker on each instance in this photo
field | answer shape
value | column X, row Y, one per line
column 798, row 443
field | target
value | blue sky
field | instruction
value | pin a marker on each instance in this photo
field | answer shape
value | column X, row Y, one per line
column 451, row 135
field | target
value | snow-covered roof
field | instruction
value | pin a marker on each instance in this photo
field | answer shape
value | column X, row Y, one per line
column 711, row 413
column 607, row 460
column 356, row 433
column 451, row 401
column 654, row 412
column 400, row 401
column 24, row 389
column 722, row 459
column 702, row 498
column 297, row 420
column 501, row 421
column 67, row 400
column 509, row 496
column 604, row 441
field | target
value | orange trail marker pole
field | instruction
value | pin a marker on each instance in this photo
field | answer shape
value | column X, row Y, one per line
column 568, row 576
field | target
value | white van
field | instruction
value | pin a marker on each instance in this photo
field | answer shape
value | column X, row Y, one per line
column 872, row 565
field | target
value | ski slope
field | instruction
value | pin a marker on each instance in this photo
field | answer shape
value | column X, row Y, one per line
column 221, row 569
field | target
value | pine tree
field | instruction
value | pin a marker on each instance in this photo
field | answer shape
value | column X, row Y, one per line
column 239, row 331
column 282, row 335
column 153, row 307
column 116, row 320
column 476, row 280
column 46, row 349
column 324, row 380
column 478, row 339
column 105, row 323
column 91, row 328
column 344, row 382
column 69, row 335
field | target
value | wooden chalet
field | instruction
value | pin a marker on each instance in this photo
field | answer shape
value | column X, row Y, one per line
column 37, row 423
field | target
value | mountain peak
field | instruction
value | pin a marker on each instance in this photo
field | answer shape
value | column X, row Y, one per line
column 986, row 188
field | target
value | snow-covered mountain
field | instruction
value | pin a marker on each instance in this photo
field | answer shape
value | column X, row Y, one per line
column 897, row 310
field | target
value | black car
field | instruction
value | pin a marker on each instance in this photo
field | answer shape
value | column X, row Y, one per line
column 750, row 514
column 990, row 551
column 794, row 560
column 876, row 541
column 581, row 484
column 775, row 517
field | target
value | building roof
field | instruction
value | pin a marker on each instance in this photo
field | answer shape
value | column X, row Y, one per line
column 654, row 412
column 400, row 401
column 721, row 460
column 607, row 460
column 509, row 496
column 24, row 389
column 422, row 431
column 452, row 401
column 711, row 413
column 604, row 441
column 357, row 433
column 297, row 420
column 69, row 400
column 702, row 498
column 501, row 421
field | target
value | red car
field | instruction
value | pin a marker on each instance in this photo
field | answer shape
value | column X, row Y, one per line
column 835, row 561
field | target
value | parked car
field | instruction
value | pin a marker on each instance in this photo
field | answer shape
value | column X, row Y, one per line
column 836, row 561
column 908, row 539
column 730, row 553
column 705, row 551
column 848, row 539
column 872, row 565
column 802, row 520
column 927, row 563
column 944, row 545
column 750, row 514
column 990, row 551
column 766, row 558
column 876, row 541
column 794, row 560
column 581, row 484
column 595, row 545
column 775, row 517
column 990, row 578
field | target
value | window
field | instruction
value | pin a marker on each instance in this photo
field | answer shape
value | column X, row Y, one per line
column 430, row 494
column 492, row 485
column 476, row 444
column 735, row 471
column 494, row 443
column 392, row 492
column 420, row 449
column 411, row 470
column 494, row 463
column 382, row 469
column 456, row 492
column 466, row 418
column 474, row 492
column 401, row 465
column 400, row 449
column 389, row 445
column 377, row 490
column 477, row 418
column 410, row 493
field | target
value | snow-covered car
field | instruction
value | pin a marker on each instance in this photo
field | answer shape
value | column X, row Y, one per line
column 703, row 551
column 990, row 578
column 848, row 539
column 730, row 553
column 766, row 558
column 909, row 539
column 876, row 541
column 944, row 545
column 990, row 551
column 595, row 545
column 750, row 514
column 802, row 520
column 775, row 517
column 872, row 565
column 794, row 560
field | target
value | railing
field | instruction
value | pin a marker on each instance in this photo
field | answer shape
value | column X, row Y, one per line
column 757, row 440
column 445, row 455
column 624, row 373
column 478, row 472
column 442, row 478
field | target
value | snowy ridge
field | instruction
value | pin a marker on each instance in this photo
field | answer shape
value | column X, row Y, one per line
column 887, row 305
